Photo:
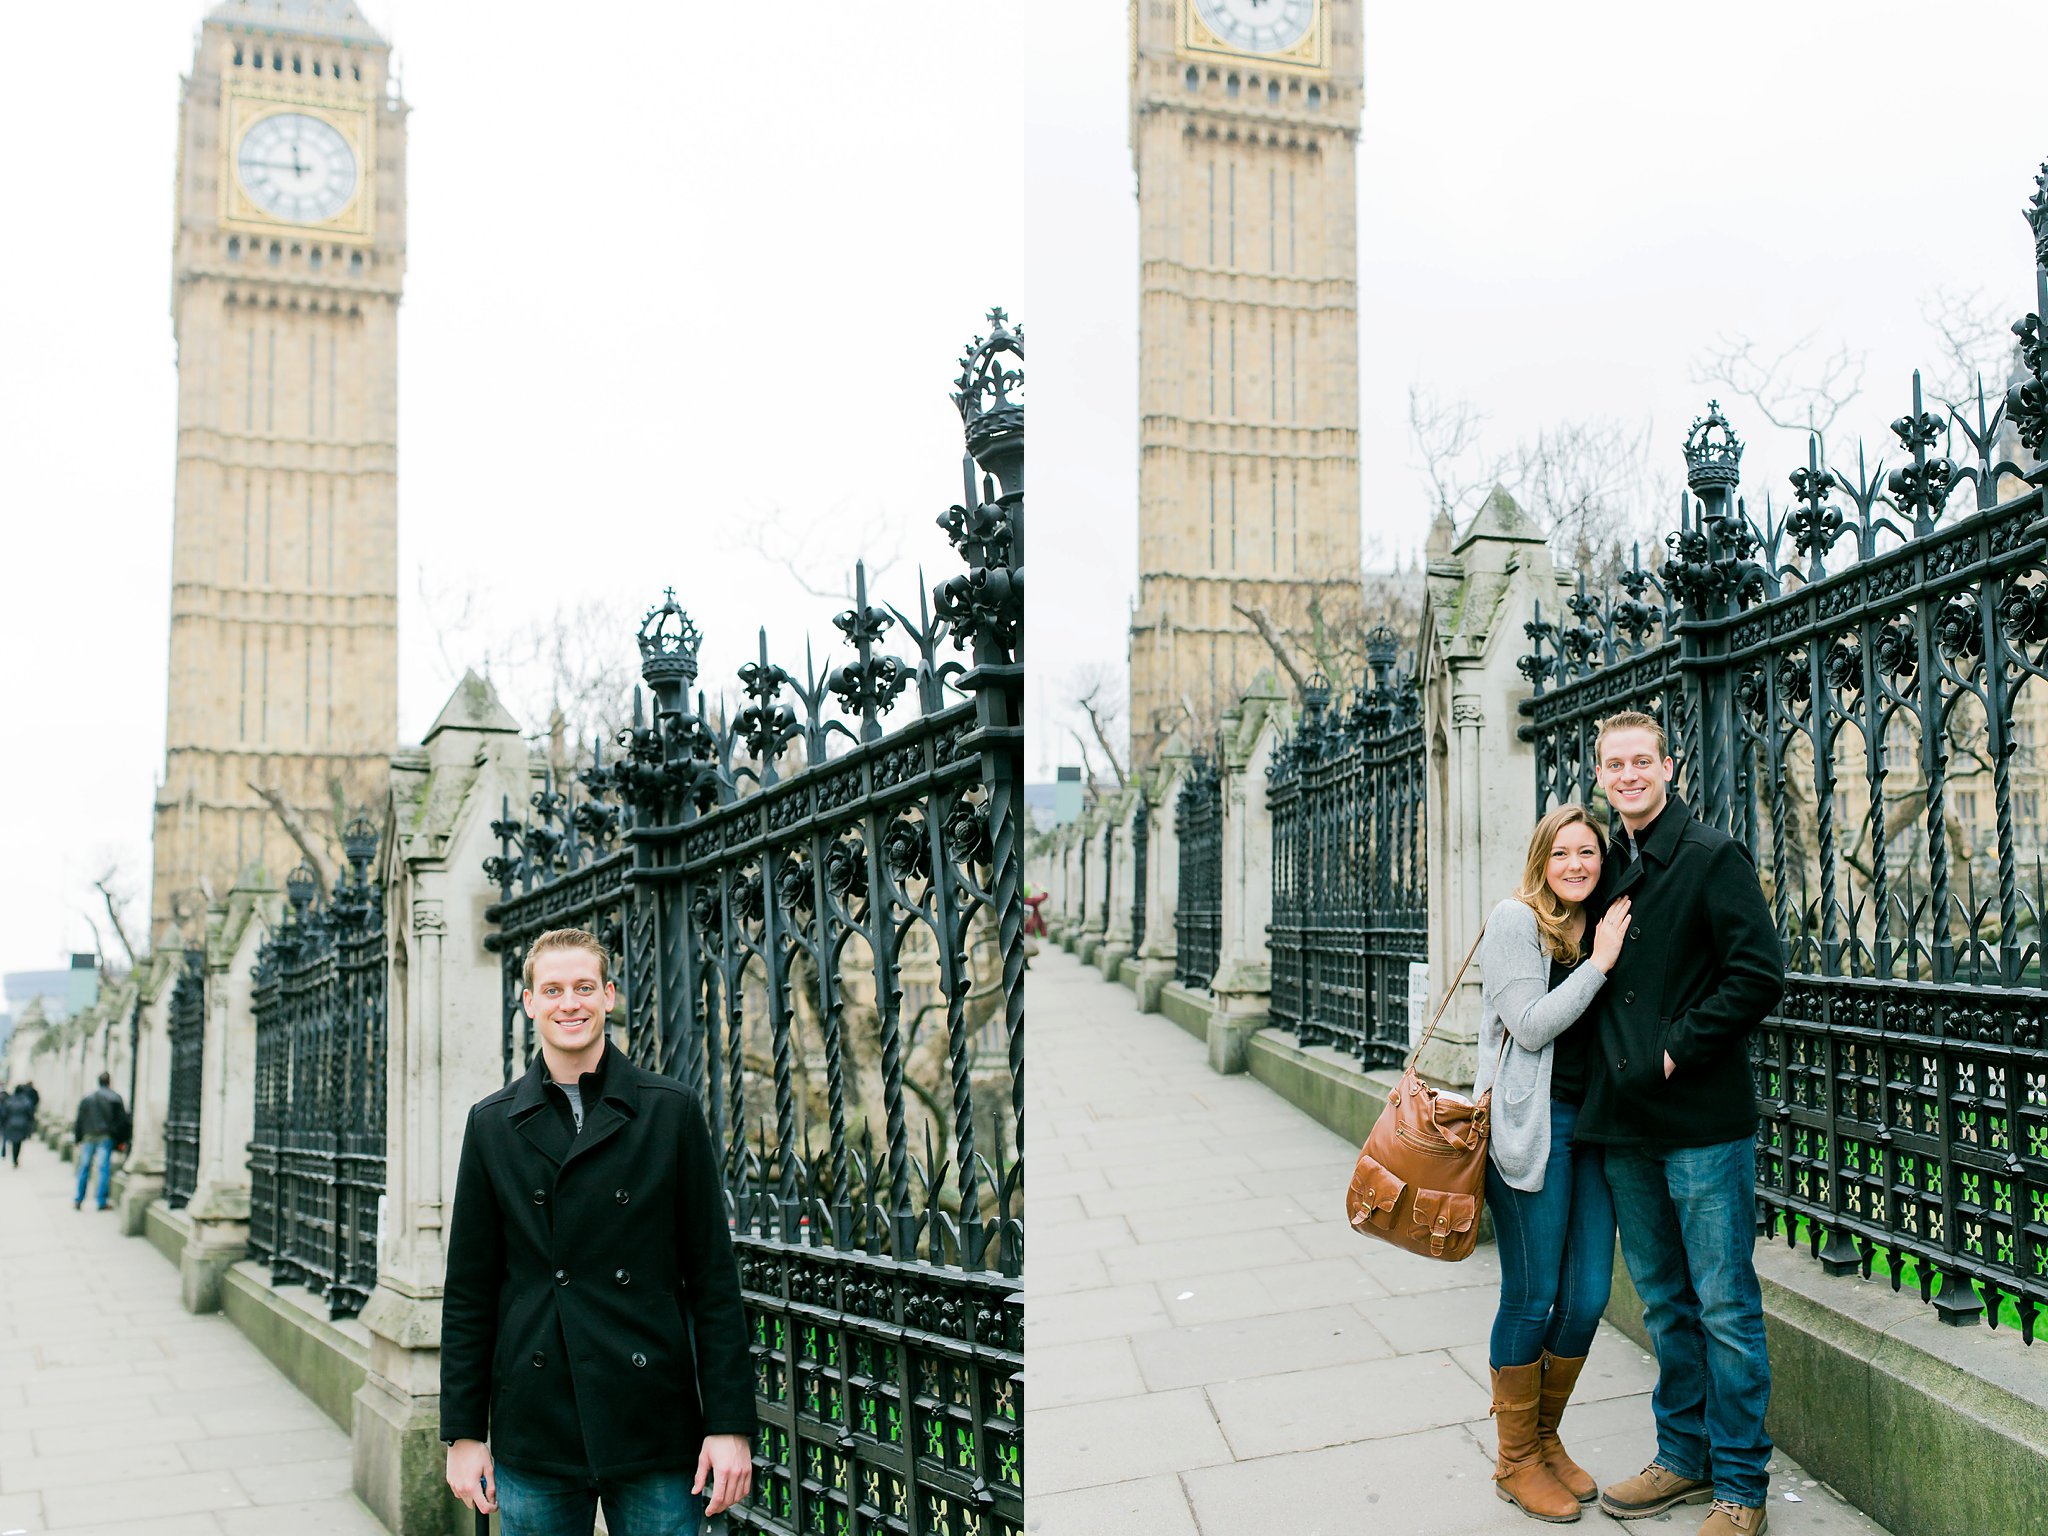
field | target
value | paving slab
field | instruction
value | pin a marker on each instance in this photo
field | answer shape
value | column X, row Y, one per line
column 1285, row 1374
column 121, row 1414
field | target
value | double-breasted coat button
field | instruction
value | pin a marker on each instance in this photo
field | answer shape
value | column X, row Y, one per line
column 639, row 1359
column 1635, row 930
column 621, row 1196
column 540, row 1358
column 623, row 1277
column 1628, row 997
column 540, row 1197
column 561, row 1277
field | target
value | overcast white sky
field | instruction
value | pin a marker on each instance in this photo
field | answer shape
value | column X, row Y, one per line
column 1560, row 207
column 669, row 275
column 672, row 270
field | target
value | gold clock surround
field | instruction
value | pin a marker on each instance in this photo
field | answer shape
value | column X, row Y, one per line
column 1310, row 54
column 355, row 223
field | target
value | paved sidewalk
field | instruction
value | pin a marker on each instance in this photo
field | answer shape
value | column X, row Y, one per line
column 1210, row 1347
column 120, row 1412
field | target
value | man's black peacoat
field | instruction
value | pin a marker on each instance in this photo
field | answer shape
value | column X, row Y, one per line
column 1701, row 967
column 573, row 1261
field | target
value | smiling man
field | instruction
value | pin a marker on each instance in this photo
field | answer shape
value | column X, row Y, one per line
column 1669, row 1097
column 588, row 1242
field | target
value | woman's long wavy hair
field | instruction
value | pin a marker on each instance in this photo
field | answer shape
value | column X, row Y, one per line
column 1553, row 917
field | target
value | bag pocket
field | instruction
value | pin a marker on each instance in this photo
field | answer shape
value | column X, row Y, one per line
column 1441, row 1216
column 1374, row 1190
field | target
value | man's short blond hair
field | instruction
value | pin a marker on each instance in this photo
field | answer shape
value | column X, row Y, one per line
column 567, row 938
column 1629, row 720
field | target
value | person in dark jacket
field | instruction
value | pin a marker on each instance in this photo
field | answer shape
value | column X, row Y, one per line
column 1670, row 1100
column 588, row 1243
column 101, row 1126
column 17, row 1121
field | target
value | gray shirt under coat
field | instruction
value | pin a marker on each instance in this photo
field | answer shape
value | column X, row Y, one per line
column 1516, row 996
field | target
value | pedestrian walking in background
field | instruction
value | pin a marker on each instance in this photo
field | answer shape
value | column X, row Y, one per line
column 1670, row 1100
column 17, row 1120
column 591, row 1327
column 1545, row 960
column 101, row 1126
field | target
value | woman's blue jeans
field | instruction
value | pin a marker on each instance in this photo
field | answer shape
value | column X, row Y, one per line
column 545, row 1504
column 1556, row 1248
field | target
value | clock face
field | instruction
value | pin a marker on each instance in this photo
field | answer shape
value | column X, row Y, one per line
column 296, row 167
column 1258, row 26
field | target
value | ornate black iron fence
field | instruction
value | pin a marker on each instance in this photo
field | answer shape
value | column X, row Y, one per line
column 1855, row 689
column 316, row 1159
column 1198, row 914
column 1141, row 846
column 1108, row 872
column 1350, row 879
column 840, row 940
column 187, row 1033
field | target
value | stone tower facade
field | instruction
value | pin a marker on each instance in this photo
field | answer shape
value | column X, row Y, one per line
column 287, row 263
column 1244, row 129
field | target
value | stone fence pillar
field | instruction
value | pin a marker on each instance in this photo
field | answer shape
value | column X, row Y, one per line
column 219, row 1207
column 1482, row 587
column 142, row 1179
column 1088, row 921
column 1116, row 938
column 1162, row 875
column 444, row 1026
column 1243, row 984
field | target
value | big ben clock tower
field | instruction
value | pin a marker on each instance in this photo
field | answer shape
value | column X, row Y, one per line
column 1244, row 130
column 287, row 261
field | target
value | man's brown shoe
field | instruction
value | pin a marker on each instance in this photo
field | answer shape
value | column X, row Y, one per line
column 1652, row 1491
column 1560, row 1375
column 1731, row 1519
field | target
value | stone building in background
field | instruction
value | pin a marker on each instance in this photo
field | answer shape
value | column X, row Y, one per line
column 287, row 263
column 1244, row 130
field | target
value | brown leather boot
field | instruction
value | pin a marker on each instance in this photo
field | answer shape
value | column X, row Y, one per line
column 1519, row 1474
column 1560, row 1375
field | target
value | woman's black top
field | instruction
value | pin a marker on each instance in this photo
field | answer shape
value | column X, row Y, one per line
column 1570, row 1051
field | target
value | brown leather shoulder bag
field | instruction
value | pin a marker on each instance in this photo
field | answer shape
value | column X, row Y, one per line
column 1421, row 1176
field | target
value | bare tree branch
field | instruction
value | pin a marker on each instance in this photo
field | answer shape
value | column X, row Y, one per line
column 1792, row 390
column 1087, row 764
column 1269, row 632
column 1446, row 437
column 1087, row 703
column 1976, row 347
column 295, row 827
column 772, row 537
column 105, row 886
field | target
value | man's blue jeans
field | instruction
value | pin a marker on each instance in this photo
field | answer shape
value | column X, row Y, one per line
column 101, row 1147
column 546, row 1504
column 1556, row 1249
column 1688, row 1234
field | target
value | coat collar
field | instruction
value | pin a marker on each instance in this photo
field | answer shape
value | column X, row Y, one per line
column 1660, row 845
column 611, row 1097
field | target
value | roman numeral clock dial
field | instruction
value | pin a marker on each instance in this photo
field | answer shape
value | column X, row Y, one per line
column 296, row 167
column 1258, row 26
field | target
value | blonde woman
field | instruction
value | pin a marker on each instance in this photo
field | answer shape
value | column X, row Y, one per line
column 1544, row 960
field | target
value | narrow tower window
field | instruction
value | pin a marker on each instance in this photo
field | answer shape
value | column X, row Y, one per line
column 1231, row 87
column 1194, row 77
column 1315, row 96
column 1273, row 92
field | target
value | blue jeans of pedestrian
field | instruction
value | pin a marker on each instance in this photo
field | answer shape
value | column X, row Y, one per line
column 101, row 1147
column 1556, row 1248
column 546, row 1504
column 1688, row 1234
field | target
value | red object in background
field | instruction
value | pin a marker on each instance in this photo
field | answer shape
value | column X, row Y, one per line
column 1034, row 925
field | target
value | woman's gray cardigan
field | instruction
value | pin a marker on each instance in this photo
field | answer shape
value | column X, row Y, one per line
column 1516, row 996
